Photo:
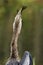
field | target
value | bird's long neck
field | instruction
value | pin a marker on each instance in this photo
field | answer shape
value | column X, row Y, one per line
column 14, row 48
column 16, row 32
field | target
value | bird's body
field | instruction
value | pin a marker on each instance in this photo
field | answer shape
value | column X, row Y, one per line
column 12, row 62
column 26, row 60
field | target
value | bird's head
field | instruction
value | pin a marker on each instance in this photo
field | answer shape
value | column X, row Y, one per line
column 21, row 10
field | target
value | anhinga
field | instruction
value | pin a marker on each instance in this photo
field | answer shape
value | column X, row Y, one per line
column 14, row 56
column 17, row 25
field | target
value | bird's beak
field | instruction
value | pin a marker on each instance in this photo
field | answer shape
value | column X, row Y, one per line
column 23, row 8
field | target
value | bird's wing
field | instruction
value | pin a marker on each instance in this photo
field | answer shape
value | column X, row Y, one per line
column 27, row 59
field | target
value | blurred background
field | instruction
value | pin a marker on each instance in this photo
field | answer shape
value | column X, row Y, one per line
column 31, row 37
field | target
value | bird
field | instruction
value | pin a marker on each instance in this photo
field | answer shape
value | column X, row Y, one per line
column 27, row 57
column 17, row 25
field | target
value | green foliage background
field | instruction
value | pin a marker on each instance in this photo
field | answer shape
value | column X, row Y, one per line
column 31, row 37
